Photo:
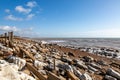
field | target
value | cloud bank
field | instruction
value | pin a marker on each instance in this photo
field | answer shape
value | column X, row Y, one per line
column 13, row 18
column 24, row 32
column 25, row 11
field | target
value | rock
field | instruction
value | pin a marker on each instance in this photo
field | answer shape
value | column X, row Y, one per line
column 56, row 56
column 18, row 61
column 107, row 77
column 113, row 73
column 77, row 72
column 101, row 62
column 65, row 67
column 65, row 59
column 95, row 65
column 81, row 65
column 9, row 71
column 24, row 76
column 91, row 68
column 38, row 56
column 71, row 54
column 39, row 64
column 88, row 58
column 85, row 76
column 44, row 50
column 33, row 50
column 42, row 72
column 75, row 60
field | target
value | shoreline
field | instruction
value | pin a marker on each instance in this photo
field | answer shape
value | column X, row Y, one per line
column 79, row 53
column 52, row 61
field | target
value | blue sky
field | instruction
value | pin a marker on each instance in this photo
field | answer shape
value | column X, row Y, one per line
column 61, row 18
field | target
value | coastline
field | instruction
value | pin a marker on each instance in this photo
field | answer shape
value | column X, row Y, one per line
column 52, row 61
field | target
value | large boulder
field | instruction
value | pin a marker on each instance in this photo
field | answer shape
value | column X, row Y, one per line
column 9, row 71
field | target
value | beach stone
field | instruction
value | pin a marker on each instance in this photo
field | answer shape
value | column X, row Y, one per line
column 42, row 72
column 75, row 60
column 81, row 65
column 88, row 58
column 9, row 71
column 65, row 67
column 37, row 56
column 65, row 59
column 44, row 50
column 85, row 76
column 113, row 73
column 39, row 64
column 18, row 61
column 33, row 50
column 107, row 77
column 91, row 68
column 56, row 56
column 95, row 65
column 101, row 62
column 77, row 72
column 70, row 54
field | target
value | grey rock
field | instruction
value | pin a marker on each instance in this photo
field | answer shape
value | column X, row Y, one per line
column 65, row 67
column 85, row 76
column 113, row 73
column 81, row 65
column 77, row 72
column 91, row 68
column 107, row 77
column 95, row 66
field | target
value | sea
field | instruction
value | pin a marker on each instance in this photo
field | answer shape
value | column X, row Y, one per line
column 85, row 42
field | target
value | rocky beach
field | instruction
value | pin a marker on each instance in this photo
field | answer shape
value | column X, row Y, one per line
column 27, row 59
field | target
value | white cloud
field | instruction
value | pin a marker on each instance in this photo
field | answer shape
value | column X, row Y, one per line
column 22, row 9
column 31, row 4
column 24, row 32
column 7, row 10
column 8, row 28
column 11, row 17
column 30, row 16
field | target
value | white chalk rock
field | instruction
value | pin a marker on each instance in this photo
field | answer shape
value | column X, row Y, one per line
column 10, row 49
column 107, row 77
column 3, row 63
column 85, row 76
column 39, row 64
column 18, row 61
column 33, row 50
column 9, row 71
column 37, row 56
column 24, row 76
column 14, row 66
column 113, row 73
